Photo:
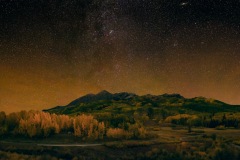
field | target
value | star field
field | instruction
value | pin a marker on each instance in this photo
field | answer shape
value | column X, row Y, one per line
column 52, row 52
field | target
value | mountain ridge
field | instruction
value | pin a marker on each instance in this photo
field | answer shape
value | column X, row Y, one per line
column 103, row 95
column 106, row 101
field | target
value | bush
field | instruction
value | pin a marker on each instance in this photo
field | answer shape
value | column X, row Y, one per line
column 118, row 133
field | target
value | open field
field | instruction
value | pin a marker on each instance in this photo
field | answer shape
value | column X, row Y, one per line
column 203, row 143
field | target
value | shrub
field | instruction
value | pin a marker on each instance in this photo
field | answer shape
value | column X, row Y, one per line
column 117, row 133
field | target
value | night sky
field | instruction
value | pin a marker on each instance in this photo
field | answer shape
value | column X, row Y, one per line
column 54, row 51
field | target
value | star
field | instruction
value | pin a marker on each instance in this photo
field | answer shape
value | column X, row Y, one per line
column 184, row 4
column 54, row 49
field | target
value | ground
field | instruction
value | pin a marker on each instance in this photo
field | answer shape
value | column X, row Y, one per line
column 204, row 143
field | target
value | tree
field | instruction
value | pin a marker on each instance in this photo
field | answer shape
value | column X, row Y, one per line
column 86, row 126
column 12, row 121
column 189, row 123
column 2, row 118
column 101, row 130
column 3, row 127
column 163, row 113
column 150, row 112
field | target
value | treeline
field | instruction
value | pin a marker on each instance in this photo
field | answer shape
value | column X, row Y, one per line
column 43, row 124
column 210, row 121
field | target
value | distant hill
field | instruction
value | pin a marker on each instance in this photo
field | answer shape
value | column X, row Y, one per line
column 125, row 103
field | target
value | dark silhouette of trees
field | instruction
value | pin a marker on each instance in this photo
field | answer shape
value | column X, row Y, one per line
column 3, row 127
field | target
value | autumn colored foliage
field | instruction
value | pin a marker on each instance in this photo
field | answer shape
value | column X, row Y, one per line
column 43, row 124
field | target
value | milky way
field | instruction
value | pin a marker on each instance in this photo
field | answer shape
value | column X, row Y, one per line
column 52, row 52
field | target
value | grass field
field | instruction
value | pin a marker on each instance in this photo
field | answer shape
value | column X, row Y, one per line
column 165, row 143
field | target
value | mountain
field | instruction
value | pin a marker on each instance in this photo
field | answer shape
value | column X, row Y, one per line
column 103, row 95
column 126, row 103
